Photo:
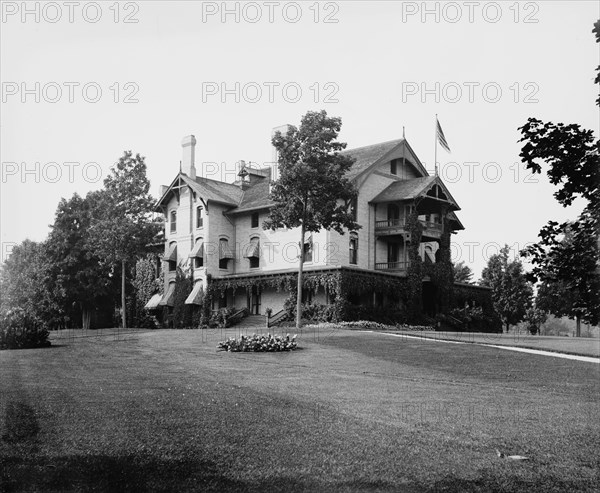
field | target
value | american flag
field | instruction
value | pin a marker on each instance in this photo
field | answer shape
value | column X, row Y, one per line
column 441, row 137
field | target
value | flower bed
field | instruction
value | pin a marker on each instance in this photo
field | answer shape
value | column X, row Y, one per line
column 259, row 343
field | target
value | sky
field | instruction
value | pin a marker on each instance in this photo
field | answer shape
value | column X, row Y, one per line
column 82, row 82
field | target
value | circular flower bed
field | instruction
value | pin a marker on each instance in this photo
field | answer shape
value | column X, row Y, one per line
column 258, row 343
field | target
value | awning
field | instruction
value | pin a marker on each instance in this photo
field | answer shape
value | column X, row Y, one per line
column 167, row 299
column 198, row 250
column 253, row 250
column 154, row 302
column 195, row 297
column 224, row 251
column 171, row 254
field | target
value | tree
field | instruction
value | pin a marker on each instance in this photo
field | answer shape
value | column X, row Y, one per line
column 125, row 227
column 312, row 191
column 534, row 318
column 462, row 273
column 566, row 257
column 80, row 279
column 511, row 291
column 25, row 283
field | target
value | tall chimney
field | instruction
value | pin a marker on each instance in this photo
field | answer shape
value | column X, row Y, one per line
column 188, row 161
column 274, row 169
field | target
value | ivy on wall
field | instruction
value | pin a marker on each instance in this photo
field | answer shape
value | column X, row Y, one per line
column 414, row 272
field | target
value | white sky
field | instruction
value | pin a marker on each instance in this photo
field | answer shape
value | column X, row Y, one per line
column 369, row 56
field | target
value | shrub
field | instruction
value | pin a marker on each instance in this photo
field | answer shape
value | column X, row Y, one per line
column 370, row 325
column 259, row 343
column 20, row 330
column 222, row 318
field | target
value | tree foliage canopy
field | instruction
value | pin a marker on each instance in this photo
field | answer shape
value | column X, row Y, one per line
column 312, row 189
column 566, row 258
column 511, row 291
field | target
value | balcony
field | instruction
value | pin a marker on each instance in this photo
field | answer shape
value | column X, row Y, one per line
column 392, row 266
column 398, row 226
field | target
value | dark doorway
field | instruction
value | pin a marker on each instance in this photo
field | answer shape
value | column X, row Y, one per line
column 429, row 299
column 254, row 301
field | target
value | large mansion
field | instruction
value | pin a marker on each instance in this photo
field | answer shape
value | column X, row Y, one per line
column 214, row 231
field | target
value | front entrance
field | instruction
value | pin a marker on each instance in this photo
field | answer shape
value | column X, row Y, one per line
column 254, row 301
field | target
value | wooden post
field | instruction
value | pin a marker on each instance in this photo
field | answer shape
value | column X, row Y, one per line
column 123, row 310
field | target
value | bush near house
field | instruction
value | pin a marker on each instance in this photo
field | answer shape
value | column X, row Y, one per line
column 19, row 330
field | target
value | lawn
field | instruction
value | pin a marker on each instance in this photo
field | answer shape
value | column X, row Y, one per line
column 349, row 411
column 570, row 345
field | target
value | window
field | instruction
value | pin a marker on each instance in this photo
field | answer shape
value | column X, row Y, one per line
column 307, row 295
column 394, row 166
column 308, row 249
column 225, row 254
column 254, row 220
column 199, row 219
column 173, row 221
column 197, row 253
column 253, row 253
column 171, row 256
column 353, row 248
column 354, row 209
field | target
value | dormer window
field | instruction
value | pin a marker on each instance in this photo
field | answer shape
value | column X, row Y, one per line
column 394, row 167
column 199, row 219
column 173, row 221
column 254, row 220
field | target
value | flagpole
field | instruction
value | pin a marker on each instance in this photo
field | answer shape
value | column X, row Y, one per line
column 435, row 152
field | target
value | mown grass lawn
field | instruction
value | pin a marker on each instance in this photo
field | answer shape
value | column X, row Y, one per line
column 350, row 411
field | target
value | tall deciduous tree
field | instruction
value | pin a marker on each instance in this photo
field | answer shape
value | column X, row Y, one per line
column 511, row 291
column 80, row 279
column 566, row 257
column 312, row 191
column 125, row 227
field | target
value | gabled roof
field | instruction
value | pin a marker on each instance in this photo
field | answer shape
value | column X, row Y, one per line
column 207, row 189
column 368, row 156
column 413, row 188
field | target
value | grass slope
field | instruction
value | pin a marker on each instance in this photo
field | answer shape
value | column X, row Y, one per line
column 164, row 411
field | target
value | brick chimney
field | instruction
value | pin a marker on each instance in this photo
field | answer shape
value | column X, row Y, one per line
column 188, row 161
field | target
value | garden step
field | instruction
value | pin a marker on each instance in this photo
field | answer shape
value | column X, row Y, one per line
column 253, row 321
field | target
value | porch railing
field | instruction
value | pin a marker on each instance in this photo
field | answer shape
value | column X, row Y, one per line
column 396, row 223
column 389, row 223
column 397, row 266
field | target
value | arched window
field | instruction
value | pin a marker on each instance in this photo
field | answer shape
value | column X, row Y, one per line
column 173, row 221
column 197, row 253
column 225, row 253
column 253, row 252
column 199, row 218
column 171, row 256
column 353, row 248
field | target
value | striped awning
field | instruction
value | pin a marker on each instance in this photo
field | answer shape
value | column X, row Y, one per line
column 195, row 297
column 253, row 250
column 224, row 251
column 169, row 296
column 153, row 302
column 171, row 255
column 198, row 250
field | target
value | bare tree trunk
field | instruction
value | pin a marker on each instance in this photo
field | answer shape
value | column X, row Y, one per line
column 507, row 327
column 577, row 325
column 300, row 269
column 123, row 314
